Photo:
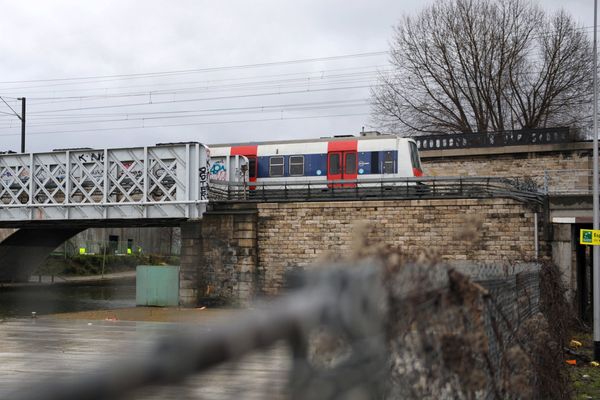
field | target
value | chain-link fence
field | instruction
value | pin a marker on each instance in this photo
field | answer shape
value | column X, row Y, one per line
column 390, row 328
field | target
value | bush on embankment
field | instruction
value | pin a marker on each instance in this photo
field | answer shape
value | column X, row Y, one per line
column 92, row 264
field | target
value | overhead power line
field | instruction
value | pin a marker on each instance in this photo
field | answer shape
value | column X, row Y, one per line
column 190, row 124
column 208, row 69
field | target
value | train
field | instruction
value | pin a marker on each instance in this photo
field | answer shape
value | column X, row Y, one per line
column 337, row 158
column 346, row 157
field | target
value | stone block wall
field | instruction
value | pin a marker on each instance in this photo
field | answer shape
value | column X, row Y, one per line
column 560, row 171
column 516, row 164
column 292, row 235
column 218, row 259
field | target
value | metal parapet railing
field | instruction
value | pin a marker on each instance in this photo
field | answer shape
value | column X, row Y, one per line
column 496, row 139
column 372, row 189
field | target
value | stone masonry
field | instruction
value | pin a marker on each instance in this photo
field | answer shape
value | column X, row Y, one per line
column 232, row 256
column 218, row 259
column 563, row 167
column 523, row 164
column 292, row 235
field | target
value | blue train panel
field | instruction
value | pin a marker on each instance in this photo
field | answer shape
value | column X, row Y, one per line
column 369, row 162
column 314, row 165
column 374, row 162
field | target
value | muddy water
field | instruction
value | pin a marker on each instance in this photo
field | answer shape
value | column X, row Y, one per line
column 51, row 299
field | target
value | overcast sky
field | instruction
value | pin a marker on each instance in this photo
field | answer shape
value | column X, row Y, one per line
column 116, row 73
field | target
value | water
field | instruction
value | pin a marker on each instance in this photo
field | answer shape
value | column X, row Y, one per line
column 51, row 299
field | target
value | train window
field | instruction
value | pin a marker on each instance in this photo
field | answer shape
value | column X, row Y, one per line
column 296, row 165
column 252, row 167
column 388, row 163
column 334, row 164
column 276, row 166
column 350, row 164
column 375, row 162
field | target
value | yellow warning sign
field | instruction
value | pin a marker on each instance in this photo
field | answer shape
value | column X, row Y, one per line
column 590, row 237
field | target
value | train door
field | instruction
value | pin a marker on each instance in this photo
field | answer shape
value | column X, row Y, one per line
column 342, row 161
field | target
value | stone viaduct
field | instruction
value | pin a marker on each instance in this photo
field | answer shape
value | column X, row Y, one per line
column 239, row 251
column 242, row 250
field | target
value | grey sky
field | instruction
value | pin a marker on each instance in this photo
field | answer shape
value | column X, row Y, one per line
column 41, row 39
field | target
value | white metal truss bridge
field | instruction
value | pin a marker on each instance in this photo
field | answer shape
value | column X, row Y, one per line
column 161, row 182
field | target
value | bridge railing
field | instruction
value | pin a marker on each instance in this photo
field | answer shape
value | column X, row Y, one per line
column 391, row 188
column 495, row 139
column 127, row 183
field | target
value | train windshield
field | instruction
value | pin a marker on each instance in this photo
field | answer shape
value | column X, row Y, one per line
column 414, row 156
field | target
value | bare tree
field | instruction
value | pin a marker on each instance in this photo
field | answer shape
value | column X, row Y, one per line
column 484, row 65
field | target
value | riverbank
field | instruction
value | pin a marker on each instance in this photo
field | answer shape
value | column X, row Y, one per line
column 116, row 278
column 152, row 314
column 95, row 264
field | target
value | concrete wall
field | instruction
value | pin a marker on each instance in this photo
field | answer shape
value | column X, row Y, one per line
column 4, row 233
column 563, row 255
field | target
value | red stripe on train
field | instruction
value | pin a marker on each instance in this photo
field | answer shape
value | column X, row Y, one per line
column 250, row 150
column 417, row 172
column 342, row 145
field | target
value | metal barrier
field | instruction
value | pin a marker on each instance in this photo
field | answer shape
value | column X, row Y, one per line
column 144, row 182
column 521, row 189
column 495, row 139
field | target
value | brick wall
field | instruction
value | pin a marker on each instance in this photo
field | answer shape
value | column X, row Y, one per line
column 292, row 235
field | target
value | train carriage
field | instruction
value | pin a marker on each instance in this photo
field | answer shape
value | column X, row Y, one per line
column 326, row 159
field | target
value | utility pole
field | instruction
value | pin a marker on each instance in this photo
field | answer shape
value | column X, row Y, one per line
column 22, row 118
column 595, row 200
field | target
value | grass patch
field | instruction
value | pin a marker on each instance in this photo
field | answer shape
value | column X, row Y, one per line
column 584, row 388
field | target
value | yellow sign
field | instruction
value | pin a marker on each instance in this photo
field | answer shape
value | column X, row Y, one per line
column 589, row 236
column 82, row 250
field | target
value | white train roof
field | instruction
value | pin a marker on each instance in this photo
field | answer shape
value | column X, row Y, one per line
column 319, row 140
